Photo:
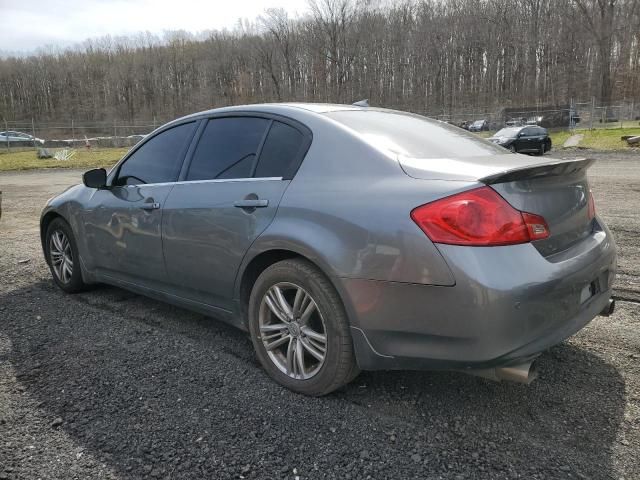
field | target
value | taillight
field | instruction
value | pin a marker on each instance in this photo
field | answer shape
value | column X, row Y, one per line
column 478, row 217
column 592, row 206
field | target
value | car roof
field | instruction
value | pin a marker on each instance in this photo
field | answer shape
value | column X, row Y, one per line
column 285, row 109
column 276, row 107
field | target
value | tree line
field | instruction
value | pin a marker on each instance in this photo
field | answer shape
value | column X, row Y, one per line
column 430, row 56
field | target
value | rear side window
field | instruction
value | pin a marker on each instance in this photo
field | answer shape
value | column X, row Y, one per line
column 280, row 152
column 159, row 159
column 227, row 148
column 414, row 136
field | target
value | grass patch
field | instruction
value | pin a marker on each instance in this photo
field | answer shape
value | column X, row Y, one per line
column 558, row 138
column 607, row 139
column 28, row 160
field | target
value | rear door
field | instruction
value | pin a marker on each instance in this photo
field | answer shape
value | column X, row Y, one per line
column 229, row 193
column 122, row 223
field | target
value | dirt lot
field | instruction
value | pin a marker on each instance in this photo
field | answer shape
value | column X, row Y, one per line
column 108, row 384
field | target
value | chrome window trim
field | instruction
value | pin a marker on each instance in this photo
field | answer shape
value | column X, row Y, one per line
column 224, row 180
column 218, row 180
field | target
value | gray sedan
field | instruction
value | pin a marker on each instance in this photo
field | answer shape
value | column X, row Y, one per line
column 345, row 238
column 19, row 139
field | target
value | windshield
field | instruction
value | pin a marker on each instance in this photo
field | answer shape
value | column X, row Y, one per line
column 414, row 136
column 507, row 132
column 478, row 123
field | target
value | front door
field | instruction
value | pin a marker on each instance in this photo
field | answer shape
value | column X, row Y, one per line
column 230, row 194
column 123, row 222
column 124, row 231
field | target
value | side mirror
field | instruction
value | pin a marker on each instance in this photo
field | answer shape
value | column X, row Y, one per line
column 521, row 134
column 96, row 178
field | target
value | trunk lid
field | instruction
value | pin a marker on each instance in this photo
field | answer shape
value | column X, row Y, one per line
column 556, row 189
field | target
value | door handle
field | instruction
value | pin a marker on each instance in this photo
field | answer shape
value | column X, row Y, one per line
column 251, row 203
column 150, row 206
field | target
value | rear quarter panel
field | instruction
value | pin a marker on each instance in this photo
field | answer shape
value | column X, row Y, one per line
column 348, row 210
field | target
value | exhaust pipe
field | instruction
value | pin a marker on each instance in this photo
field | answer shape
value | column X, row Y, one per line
column 608, row 310
column 523, row 373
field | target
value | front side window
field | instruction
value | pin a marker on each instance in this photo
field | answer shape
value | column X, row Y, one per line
column 159, row 159
column 227, row 148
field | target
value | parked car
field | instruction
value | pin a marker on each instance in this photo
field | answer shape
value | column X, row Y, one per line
column 19, row 138
column 527, row 139
column 345, row 238
column 479, row 126
column 515, row 122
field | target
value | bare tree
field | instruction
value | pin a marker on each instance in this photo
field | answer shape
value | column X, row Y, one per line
column 430, row 56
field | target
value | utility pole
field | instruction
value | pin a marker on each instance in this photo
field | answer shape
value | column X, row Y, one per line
column 73, row 134
column 571, row 124
column 33, row 132
column 593, row 112
column 6, row 133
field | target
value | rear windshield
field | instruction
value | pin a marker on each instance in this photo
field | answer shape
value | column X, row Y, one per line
column 415, row 136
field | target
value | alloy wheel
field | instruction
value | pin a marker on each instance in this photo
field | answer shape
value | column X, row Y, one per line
column 61, row 256
column 292, row 330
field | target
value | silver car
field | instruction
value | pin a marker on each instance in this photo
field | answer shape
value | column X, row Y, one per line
column 19, row 139
column 345, row 238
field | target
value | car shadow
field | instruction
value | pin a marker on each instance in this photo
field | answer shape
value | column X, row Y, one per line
column 150, row 389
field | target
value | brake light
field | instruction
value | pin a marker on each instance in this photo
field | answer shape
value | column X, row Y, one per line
column 591, row 212
column 479, row 217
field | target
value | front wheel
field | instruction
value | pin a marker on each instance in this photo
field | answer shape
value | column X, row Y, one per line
column 62, row 256
column 299, row 329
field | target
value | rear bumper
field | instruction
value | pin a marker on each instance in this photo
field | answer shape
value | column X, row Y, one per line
column 508, row 305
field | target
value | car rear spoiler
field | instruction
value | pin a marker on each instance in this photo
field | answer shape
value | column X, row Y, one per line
column 555, row 168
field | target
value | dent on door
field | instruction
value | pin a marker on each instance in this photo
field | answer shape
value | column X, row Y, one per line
column 124, row 230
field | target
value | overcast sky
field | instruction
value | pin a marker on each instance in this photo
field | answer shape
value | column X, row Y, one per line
column 26, row 25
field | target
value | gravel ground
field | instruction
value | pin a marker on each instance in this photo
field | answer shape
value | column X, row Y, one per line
column 108, row 384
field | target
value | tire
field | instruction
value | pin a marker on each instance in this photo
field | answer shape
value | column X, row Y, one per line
column 288, row 331
column 512, row 147
column 59, row 236
column 541, row 150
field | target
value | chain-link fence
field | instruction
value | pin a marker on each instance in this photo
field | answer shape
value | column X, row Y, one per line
column 72, row 134
column 92, row 135
column 575, row 115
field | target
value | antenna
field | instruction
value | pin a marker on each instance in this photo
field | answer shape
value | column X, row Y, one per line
column 361, row 103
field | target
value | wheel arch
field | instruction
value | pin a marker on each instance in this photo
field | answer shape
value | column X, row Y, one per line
column 45, row 221
column 259, row 261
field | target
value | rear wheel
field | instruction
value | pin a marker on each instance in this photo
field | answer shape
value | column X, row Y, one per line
column 299, row 329
column 62, row 256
